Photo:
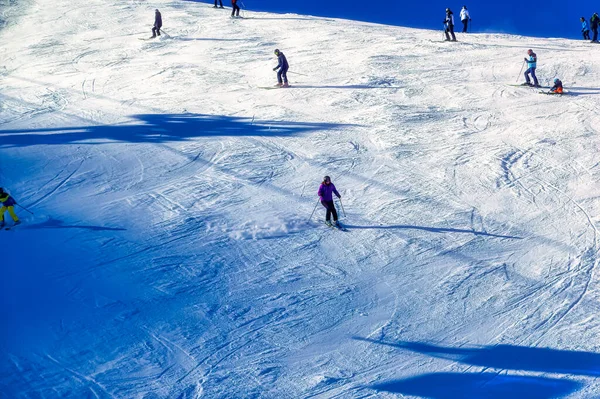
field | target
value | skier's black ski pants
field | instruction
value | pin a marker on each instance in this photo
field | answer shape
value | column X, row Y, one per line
column 330, row 210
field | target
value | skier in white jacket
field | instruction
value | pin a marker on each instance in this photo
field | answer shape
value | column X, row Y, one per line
column 465, row 18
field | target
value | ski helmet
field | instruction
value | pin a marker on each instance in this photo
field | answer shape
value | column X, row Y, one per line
column 327, row 178
column 276, row 51
column 556, row 80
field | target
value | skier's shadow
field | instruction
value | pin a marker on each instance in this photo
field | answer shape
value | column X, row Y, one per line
column 433, row 230
column 359, row 87
column 59, row 224
column 198, row 39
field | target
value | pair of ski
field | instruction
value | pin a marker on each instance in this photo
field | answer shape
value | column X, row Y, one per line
column 334, row 226
column 7, row 228
column 535, row 87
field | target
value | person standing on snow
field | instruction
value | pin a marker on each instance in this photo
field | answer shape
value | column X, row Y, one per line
column 594, row 25
column 220, row 2
column 283, row 67
column 235, row 12
column 465, row 18
column 326, row 191
column 8, row 203
column 449, row 22
column 531, row 65
column 585, row 29
column 157, row 24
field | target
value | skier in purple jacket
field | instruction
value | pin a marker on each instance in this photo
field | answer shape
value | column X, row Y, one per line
column 326, row 191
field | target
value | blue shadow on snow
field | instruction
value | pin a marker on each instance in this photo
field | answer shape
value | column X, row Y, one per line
column 509, row 357
column 59, row 224
column 433, row 230
column 160, row 128
column 480, row 385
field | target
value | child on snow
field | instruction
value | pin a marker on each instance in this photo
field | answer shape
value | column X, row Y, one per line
column 326, row 191
column 557, row 88
column 8, row 203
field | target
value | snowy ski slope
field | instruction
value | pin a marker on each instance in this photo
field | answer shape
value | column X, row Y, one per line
column 171, row 255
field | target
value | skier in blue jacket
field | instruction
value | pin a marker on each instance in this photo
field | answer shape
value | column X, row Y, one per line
column 531, row 65
column 8, row 203
column 283, row 67
column 585, row 29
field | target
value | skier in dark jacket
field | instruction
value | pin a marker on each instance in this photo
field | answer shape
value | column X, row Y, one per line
column 8, row 203
column 585, row 29
column 235, row 12
column 283, row 67
column 557, row 88
column 157, row 24
column 449, row 23
column 326, row 191
column 594, row 25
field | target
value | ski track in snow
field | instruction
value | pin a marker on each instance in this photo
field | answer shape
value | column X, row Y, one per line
column 171, row 253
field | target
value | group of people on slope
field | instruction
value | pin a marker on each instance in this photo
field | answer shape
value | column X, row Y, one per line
column 531, row 61
column 235, row 12
column 465, row 18
column 585, row 28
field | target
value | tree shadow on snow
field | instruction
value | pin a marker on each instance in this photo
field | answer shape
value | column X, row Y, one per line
column 160, row 128
column 194, row 39
column 480, row 385
column 345, row 87
column 433, row 230
column 508, row 357
column 59, row 224
column 494, row 385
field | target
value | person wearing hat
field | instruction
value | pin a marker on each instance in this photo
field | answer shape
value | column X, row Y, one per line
column 531, row 65
column 449, row 22
column 465, row 18
column 585, row 29
column 325, row 193
column 557, row 88
column 594, row 25
column 8, row 203
column 283, row 67
column 157, row 24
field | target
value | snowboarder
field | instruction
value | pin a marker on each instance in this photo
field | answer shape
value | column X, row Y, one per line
column 326, row 191
column 557, row 88
column 585, row 29
column 594, row 25
column 449, row 24
column 236, row 8
column 220, row 2
column 157, row 24
column 531, row 65
column 283, row 67
column 465, row 18
column 8, row 203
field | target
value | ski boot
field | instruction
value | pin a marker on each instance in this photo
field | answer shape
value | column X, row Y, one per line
column 285, row 85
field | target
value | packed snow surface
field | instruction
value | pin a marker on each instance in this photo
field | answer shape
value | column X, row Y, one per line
column 170, row 252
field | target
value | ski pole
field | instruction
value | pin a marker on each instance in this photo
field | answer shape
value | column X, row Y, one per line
column 342, row 207
column 297, row 73
column 313, row 212
column 520, row 71
column 25, row 209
